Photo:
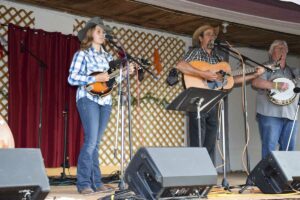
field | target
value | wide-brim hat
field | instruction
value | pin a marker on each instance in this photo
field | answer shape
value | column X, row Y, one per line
column 92, row 22
column 200, row 30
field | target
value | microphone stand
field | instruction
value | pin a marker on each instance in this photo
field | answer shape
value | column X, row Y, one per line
column 129, row 57
column 63, row 179
column 42, row 65
column 121, row 101
column 225, row 48
column 293, row 126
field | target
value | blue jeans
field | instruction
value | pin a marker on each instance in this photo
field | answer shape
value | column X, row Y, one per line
column 274, row 131
column 94, row 119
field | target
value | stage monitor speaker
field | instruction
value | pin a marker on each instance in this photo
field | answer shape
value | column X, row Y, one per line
column 169, row 172
column 22, row 175
column 278, row 173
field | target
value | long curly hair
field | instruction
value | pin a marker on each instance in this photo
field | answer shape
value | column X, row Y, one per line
column 88, row 39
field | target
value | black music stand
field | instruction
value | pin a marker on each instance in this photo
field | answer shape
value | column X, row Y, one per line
column 188, row 100
column 197, row 100
column 202, row 100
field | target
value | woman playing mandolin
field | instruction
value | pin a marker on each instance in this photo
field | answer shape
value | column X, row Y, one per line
column 94, row 110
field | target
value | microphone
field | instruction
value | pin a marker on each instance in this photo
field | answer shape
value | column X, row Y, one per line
column 277, row 63
column 115, row 63
column 145, row 61
column 211, row 44
column 109, row 37
column 216, row 42
column 296, row 90
column 112, row 40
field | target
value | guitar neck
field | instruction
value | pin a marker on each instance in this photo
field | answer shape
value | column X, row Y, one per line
column 240, row 72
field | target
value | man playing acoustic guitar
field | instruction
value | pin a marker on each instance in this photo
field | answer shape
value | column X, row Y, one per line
column 276, row 102
column 203, row 50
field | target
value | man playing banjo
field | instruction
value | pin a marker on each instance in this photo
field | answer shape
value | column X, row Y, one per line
column 276, row 102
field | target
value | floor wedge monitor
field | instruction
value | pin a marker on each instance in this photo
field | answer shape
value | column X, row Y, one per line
column 171, row 172
column 278, row 173
column 22, row 175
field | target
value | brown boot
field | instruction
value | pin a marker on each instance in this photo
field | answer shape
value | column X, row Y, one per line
column 86, row 191
column 103, row 188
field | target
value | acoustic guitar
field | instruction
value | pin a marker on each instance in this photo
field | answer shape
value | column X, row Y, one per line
column 221, row 68
column 6, row 137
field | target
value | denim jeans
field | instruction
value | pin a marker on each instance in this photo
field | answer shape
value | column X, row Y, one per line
column 209, row 130
column 275, row 131
column 94, row 119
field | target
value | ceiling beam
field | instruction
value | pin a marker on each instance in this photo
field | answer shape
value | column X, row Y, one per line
column 227, row 15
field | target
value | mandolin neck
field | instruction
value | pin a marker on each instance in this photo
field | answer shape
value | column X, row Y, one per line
column 114, row 74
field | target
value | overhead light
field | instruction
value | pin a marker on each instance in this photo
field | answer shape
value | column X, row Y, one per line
column 294, row 1
column 225, row 24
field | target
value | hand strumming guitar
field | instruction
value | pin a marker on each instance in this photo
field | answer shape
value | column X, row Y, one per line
column 209, row 75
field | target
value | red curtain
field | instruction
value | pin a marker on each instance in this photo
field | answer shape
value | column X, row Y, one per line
column 56, row 51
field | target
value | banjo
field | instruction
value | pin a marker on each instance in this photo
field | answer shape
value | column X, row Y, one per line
column 283, row 98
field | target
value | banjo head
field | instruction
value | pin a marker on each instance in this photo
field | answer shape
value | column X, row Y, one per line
column 282, row 97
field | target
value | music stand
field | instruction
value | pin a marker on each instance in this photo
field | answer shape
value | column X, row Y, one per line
column 197, row 100
column 202, row 100
column 188, row 100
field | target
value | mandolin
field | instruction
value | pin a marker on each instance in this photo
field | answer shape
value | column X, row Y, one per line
column 103, row 88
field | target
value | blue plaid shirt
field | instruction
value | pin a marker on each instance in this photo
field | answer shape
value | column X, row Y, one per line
column 84, row 63
column 201, row 55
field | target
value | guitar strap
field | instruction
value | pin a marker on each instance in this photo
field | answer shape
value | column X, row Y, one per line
column 220, row 58
column 293, row 74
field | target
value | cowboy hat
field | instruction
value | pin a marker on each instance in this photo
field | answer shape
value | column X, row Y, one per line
column 200, row 30
column 92, row 22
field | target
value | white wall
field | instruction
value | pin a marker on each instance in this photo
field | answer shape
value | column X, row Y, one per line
column 50, row 20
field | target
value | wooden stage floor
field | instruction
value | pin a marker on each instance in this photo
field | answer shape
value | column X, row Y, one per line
column 217, row 193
